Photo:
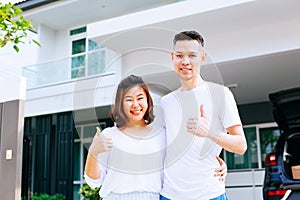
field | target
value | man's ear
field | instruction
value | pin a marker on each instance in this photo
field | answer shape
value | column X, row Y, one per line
column 172, row 55
column 203, row 57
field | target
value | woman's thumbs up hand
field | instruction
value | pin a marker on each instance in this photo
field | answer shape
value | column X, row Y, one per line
column 101, row 143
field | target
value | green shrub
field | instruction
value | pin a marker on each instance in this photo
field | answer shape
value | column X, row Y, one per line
column 89, row 193
column 44, row 196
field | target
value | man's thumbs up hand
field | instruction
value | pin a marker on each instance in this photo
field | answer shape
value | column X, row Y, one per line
column 202, row 112
column 100, row 143
column 198, row 126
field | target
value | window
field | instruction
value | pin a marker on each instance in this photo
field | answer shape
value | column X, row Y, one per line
column 88, row 57
column 268, row 138
column 249, row 159
column 96, row 58
column 78, row 61
column 83, row 137
column 261, row 140
column 78, row 31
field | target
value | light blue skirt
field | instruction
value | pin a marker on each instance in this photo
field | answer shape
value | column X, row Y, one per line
column 133, row 196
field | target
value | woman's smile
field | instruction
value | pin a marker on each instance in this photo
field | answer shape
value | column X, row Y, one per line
column 135, row 105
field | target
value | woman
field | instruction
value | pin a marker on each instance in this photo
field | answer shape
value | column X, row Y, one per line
column 127, row 159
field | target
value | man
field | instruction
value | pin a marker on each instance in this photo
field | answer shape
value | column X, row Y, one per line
column 197, row 117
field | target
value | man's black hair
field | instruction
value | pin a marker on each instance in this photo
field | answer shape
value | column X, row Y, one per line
column 189, row 35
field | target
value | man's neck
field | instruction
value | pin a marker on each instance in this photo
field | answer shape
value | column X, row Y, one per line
column 191, row 84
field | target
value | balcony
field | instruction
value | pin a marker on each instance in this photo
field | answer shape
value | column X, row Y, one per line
column 80, row 66
column 86, row 80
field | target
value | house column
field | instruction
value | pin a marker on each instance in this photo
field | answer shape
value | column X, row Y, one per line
column 12, row 96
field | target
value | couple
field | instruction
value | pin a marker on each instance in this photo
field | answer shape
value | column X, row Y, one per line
column 174, row 156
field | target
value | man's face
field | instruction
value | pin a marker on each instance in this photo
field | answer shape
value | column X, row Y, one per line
column 187, row 58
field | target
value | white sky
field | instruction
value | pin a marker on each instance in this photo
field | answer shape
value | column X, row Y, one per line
column 11, row 1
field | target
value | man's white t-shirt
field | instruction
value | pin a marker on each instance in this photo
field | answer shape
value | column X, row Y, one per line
column 191, row 160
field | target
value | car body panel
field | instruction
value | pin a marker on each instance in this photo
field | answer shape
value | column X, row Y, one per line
column 286, row 113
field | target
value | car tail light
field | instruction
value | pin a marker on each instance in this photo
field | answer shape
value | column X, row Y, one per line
column 271, row 160
column 276, row 192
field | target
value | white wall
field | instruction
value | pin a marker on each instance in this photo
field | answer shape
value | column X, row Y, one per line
column 246, row 185
column 11, row 62
column 72, row 95
column 156, row 15
column 144, row 61
column 47, row 38
column 62, row 44
column 16, row 89
column 249, row 42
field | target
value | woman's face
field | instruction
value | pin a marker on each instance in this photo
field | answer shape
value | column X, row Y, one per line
column 135, row 106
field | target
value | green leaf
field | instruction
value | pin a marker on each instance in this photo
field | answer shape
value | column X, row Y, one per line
column 13, row 25
column 36, row 42
column 16, row 48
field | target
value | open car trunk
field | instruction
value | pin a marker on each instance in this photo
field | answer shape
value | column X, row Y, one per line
column 291, row 162
column 287, row 115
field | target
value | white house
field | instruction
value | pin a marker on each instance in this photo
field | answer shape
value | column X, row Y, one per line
column 88, row 46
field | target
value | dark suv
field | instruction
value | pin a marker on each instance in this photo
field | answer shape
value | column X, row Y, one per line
column 278, row 172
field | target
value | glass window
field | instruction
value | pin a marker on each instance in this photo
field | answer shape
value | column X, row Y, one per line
column 90, row 58
column 78, row 66
column 268, row 138
column 96, row 62
column 77, row 163
column 78, row 62
column 249, row 159
column 78, row 46
column 78, row 31
column 89, row 131
column 85, row 153
column 96, row 59
column 94, row 45
column 76, row 133
column 76, row 196
column 81, row 144
column 77, row 160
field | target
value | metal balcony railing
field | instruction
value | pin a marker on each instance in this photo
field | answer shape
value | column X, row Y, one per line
column 70, row 68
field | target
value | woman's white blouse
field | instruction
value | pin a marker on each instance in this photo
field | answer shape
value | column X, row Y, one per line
column 133, row 164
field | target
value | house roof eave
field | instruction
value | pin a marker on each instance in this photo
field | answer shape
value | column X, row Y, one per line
column 30, row 4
